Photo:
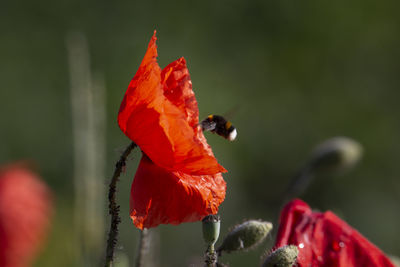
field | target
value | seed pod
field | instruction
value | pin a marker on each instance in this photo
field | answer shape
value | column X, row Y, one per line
column 245, row 236
column 285, row 256
column 211, row 226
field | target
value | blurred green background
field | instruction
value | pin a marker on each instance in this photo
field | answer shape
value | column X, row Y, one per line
column 298, row 72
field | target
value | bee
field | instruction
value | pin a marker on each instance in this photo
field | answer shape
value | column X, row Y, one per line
column 219, row 125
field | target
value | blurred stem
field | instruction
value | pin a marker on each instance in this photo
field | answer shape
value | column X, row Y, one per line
column 88, row 126
column 143, row 247
column 299, row 184
column 113, row 207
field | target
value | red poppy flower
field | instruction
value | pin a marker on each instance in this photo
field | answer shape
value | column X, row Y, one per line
column 25, row 208
column 324, row 239
column 178, row 179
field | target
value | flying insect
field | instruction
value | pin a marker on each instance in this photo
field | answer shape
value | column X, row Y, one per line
column 219, row 125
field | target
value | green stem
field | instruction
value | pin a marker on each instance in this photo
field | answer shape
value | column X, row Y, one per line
column 113, row 207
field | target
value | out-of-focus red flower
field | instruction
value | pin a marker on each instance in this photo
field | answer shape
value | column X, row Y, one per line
column 178, row 179
column 324, row 239
column 25, row 209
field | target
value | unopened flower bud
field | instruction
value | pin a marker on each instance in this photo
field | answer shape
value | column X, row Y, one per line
column 285, row 256
column 245, row 236
column 211, row 226
column 395, row 260
column 335, row 155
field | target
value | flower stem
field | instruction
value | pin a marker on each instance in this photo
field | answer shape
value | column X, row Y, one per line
column 298, row 185
column 143, row 247
column 211, row 256
column 113, row 207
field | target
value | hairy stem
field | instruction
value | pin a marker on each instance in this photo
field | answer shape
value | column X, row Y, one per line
column 211, row 256
column 113, row 207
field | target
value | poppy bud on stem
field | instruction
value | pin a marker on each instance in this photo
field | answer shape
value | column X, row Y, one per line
column 113, row 207
column 245, row 236
column 284, row 256
column 211, row 227
column 333, row 156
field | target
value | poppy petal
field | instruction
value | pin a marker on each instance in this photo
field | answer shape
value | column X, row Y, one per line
column 159, row 113
column 326, row 240
column 177, row 87
column 162, row 197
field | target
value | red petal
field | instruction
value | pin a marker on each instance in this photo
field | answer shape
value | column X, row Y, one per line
column 162, row 197
column 25, row 208
column 290, row 215
column 159, row 113
column 177, row 87
column 325, row 240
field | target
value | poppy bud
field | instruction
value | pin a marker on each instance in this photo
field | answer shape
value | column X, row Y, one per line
column 332, row 156
column 245, row 236
column 395, row 260
column 285, row 256
column 335, row 155
column 211, row 226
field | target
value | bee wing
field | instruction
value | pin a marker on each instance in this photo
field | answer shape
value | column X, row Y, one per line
column 231, row 112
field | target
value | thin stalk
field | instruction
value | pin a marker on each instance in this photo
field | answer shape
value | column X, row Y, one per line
column 211, row 256
column 113, row 207
column 88, row 120
column 299, row 184
column 143, row 247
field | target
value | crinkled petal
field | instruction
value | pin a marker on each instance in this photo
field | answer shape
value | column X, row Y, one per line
column 290, row 215
column 25, row 209
column 159, row 113
column 325, row 240
column 162, row 197
column 177, row 87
